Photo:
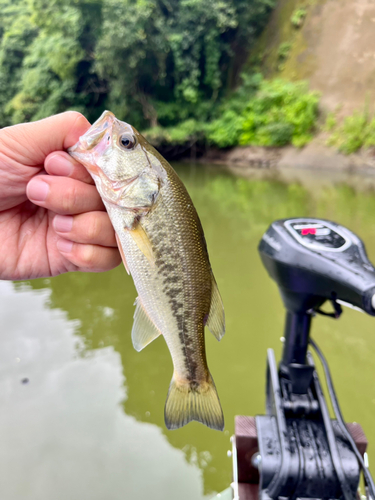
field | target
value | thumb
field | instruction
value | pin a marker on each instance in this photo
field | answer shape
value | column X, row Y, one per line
column 30, row 143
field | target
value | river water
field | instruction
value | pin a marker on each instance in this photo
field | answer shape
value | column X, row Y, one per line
column 82, row 412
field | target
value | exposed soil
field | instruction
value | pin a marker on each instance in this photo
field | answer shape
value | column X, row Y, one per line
column 315, row 156
column 334, row 50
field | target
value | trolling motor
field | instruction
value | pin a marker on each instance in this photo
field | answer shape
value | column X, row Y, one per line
column 303, row 453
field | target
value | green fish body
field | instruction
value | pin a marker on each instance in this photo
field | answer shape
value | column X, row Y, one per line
column 162, row 244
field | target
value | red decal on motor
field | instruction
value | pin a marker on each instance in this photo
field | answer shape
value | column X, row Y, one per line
column 308, row 230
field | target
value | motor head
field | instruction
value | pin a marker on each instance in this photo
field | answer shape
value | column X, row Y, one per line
column 314, row 260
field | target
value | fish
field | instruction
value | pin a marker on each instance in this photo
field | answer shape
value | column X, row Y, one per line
column 163, row 248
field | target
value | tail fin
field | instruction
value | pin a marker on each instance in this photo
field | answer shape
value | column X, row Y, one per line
column 189, row 401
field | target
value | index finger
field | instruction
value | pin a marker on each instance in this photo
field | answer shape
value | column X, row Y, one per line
column 31, row 143
column 62, row 164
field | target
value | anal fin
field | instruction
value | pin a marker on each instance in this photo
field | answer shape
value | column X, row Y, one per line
column 216, row 318
column 144, row 331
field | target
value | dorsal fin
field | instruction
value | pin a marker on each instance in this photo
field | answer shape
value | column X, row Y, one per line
column 144, row 331
column 216, row 318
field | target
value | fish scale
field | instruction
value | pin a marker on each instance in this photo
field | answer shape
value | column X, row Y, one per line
column 163, row 247
column 167, row 230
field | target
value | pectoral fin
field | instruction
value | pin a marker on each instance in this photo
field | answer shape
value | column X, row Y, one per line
column 143, row 331
column 216, row 317
column 122, row 254
column 140, row 237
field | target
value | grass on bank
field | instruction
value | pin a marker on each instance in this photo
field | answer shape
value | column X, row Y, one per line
column 260, row 113
column 355, row 132
column 269, row 113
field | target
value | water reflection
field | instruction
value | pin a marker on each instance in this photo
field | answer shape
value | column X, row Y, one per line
column 119, row 449
column 64, row 434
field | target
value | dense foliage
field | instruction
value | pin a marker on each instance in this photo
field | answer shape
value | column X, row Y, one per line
column 278, row 113
column 150, row 61
column 259, row 113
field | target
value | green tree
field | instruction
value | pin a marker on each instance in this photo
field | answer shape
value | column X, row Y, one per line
column 16, row 34
column 149, row 61
column 54, row 67
column 170, row 60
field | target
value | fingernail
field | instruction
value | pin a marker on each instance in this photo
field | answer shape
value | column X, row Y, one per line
column 59, row 165
column 64, row 246
column 37, row 190
column 63, row 223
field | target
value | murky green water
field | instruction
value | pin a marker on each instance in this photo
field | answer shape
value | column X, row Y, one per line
column 89, row 425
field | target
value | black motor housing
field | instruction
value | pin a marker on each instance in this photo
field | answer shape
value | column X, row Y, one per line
column 313, row 260
column 303, row 452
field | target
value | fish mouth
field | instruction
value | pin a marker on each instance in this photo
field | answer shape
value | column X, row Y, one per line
column 97, row 140
column 84, row 148
column 95, row 133
column 93, row 144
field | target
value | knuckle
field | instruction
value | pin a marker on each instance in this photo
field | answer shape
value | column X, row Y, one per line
column 88, row 255
column 93, row 229
column 9, row 138
column 70, row 199
column 73, row 115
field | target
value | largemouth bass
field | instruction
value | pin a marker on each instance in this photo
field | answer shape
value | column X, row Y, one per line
column 162, row 245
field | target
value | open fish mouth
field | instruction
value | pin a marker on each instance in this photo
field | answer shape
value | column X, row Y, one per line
column 95, row 133
column 99, row 139
column 98, row 136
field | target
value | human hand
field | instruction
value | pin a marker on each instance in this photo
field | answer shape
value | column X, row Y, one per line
column 52, row 219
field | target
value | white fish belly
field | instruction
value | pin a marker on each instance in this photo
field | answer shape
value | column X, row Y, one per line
column 149, row 282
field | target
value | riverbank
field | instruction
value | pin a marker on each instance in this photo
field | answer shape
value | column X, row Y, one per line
column 314, row 156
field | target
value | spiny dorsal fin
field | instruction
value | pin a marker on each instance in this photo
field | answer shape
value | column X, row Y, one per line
column 122, row 254
column 140, row 237
column 216, row 317
column 144, row 331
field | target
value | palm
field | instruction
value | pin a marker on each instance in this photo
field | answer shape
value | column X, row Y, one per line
column 31, row 245
column 28, row 243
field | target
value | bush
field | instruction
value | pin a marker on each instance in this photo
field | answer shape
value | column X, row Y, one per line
column 283, row 51
column 277, row 134
column 225, row 131
column 280, row 113
column 370, row 136
column 330, row 122
column 298, row 17
column 259, row 113
column 189, row 131
column 356, row 131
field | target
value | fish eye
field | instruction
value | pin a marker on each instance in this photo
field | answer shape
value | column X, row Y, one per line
column 127, row 141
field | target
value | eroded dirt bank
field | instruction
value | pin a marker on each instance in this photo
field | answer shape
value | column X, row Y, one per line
column 334, row 50
column 316, row 156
